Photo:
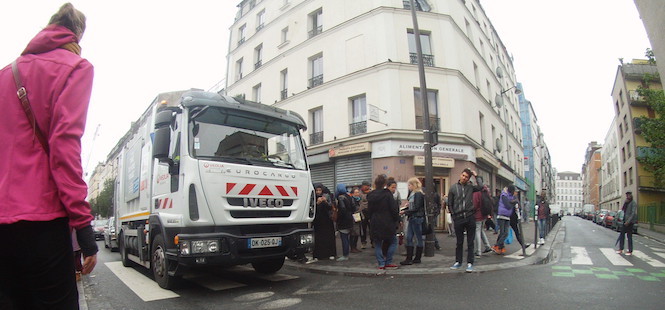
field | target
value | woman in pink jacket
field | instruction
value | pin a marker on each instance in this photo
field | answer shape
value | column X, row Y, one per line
column 42, row 193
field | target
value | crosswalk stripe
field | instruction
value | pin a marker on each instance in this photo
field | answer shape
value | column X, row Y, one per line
column 660, row 254
column 657, row 249
column 580, row 256
column 142, row 286
column 651, row 261
column 615, row 258
column 214, row 283
column 518, row 254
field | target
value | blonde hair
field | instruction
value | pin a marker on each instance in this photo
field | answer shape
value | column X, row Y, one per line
column 70, row 18
column 417, row 186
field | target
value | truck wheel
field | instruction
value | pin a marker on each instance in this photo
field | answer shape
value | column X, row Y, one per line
column 269, row 266
column 123, row 251
column 160, row 265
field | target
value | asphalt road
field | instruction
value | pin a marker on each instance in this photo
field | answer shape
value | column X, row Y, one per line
column 584, row 273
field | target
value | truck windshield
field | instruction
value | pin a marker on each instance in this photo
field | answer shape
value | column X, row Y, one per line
column 241, row 137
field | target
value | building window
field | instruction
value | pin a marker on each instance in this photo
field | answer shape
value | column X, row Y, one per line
column 260, row 20
column 476, row 76
column 256, row 93
column 630, row 175
column 628, row 149
column 358, row 115
column 433, row 109
column 421, row 5
column 285, row 35
column 625, row 123
column 316, row 136
column 241, row 34
column 481, row 118
column 239, row 69
column 616, row 107
column 252, row 4
column 315, row 23
column 428, row 58
column 284, row 82
column 469, row 32
column 620, row 131
column 258, row 56
column 316, row 70
column 621, row 97
column 625, row 178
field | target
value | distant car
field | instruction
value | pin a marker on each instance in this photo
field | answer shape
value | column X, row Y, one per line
column 99, row 226
column 600, row 217
column 609, row 219
column 618, row 222
column 110, row 237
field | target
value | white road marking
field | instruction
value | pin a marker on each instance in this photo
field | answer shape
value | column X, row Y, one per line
column 657, row 249
column 580, row 256
column 614, row 258
column 518, row 255
column 651, row 261
column 660, row 254
column 213, row 283
column 145, row 288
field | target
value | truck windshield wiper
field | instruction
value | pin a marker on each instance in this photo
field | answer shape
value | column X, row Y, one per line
column 237, row 160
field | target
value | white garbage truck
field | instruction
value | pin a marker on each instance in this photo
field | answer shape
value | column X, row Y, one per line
column 206, row 180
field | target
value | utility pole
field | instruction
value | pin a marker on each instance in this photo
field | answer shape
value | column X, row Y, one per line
column 427, row 136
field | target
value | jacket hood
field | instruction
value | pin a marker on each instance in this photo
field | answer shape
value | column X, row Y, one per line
column 340, row 190
column 50, row 38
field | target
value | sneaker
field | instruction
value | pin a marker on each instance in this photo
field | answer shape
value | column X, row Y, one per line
column 363, row 246
column 477, row 255
column 391, row 266
column 619, row 251
column 354, row 250
column 503, row 251
column 542, row 241
column 455, row 266
column 342, row 258
column 487, row 250
column 628, row 253
column 311, row 261
column 496, row 249
column 469, row 267
column 382, row 267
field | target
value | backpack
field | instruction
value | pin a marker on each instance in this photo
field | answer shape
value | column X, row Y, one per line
column 486, row 204
column 333, row 212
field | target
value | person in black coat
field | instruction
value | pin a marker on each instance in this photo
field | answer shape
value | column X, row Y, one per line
column 324, row 228
column 383, row 213
column 345, row 210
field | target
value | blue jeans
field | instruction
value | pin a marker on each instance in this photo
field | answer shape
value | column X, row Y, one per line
column 542, row 225
column 415, row 229
column 345, row 243
column 378, row 251
column 504, row 229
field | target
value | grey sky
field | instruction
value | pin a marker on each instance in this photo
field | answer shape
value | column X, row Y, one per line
column 565, row 55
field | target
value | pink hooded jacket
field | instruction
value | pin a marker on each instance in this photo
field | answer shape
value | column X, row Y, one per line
column 34, row 186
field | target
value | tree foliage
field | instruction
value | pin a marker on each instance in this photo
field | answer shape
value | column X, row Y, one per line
column 653, row 131
column 103, row 204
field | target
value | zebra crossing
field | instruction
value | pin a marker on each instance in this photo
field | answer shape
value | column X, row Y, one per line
column 235, row 277
column 608, row 256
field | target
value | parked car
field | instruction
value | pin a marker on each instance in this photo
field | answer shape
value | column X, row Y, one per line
column 600, row 217
column 609, row 219
column 590, row 215
column 618, row 222
column 110, row 237
column 99, row 226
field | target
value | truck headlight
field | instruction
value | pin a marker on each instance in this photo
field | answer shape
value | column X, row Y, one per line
column 205, row 246
column 306, row 239
column 184, row 247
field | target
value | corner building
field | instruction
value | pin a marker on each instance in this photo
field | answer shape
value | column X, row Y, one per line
column 350, row 69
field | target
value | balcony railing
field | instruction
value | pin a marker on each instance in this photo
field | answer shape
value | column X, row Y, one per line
column 433, row 123
column 315, row 31
column 241, row 41
column 316, row 81
column 316, row 138
column 257, row 64
column 259, row 27
column 284, row 93
column 407, row 5
column 428, row 60
column 358, row 128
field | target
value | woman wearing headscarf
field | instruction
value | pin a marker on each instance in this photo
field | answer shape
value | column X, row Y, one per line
column 345, row 210
column 42, row 193
column 324, row 228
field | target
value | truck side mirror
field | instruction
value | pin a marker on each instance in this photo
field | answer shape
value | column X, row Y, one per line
column 162, row 142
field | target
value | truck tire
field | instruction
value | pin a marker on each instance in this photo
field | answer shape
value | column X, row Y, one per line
column 269, row 266
column 160, row 265
column 123, row 251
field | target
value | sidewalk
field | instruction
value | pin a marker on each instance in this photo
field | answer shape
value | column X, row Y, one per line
column 644, row 230
column 364, row 264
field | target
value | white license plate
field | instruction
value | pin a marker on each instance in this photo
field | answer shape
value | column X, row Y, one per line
column 257, row 243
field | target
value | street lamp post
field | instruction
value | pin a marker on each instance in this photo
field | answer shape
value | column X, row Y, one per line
column 427, row 135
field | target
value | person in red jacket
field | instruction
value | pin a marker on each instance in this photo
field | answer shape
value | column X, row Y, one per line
column 42, row 193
